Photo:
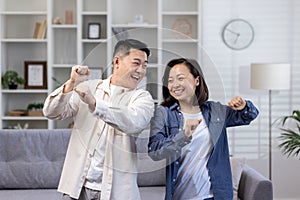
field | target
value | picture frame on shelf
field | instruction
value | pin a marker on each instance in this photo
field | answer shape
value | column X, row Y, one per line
column 94, row 30
column 35, row 75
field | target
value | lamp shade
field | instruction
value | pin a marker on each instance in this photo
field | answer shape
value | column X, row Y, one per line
column 270, row 76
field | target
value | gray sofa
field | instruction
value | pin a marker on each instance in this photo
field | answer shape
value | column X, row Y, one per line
column 31, row 163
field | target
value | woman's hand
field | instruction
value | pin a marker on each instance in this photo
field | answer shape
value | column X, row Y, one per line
column 237, row 103
column 190, row 126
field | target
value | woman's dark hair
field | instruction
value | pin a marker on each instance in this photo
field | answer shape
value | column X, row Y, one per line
column 201, row 92
column 123, row 47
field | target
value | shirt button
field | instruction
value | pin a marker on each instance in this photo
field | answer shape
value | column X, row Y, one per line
column 174, row 180
column 176, row 162
column 180, row 129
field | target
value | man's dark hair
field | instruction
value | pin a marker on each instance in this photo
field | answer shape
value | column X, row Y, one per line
column 123, row 47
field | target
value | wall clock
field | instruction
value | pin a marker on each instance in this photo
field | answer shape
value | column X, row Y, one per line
column 238, row 34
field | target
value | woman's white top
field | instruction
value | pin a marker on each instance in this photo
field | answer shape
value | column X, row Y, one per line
column 193, row 181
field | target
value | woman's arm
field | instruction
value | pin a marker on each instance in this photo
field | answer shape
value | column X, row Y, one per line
column 242, row 116
column 163, row 143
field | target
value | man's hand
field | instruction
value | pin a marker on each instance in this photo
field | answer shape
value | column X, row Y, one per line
column 237, row 103
column 78, row 75
column 86, row 96
column 190, row 126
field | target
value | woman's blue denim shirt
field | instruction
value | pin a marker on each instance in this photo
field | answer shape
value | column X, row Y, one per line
column 167, row 138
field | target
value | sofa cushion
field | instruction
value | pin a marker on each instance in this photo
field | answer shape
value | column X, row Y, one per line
column 27, row 159
column 27, row 194
column 151, row 173
column 237, row 165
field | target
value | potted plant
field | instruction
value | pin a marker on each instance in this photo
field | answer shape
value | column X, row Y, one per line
column 35, row 109
column 290, row 138
column 11, row 79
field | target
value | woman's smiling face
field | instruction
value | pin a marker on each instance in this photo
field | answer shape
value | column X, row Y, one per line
column 182, row 84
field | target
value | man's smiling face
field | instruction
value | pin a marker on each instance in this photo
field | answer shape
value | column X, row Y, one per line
column 130, row 69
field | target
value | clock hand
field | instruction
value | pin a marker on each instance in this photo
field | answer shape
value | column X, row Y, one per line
column 236, row 39
column 231, row 31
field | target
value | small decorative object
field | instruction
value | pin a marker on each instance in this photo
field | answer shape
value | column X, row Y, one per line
column 11, row 80
column 57, row 20
column 17, row 112
column 94, row 30
column 35, row 109
column 238, row 34
column 183, row 28
column 36, row 75
column 138, row 19
column 18, row 126
column 69, row 17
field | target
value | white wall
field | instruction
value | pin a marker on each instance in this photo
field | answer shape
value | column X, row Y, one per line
column 277, row 39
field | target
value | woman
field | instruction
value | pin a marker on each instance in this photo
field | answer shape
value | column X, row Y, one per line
column 190, row 132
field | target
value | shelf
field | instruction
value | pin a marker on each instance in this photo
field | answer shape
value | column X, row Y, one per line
column 63, row 65
column 23, row 91
column 134, row 25
column 64, row 26
column 93, row 13
column 23, row 40
column 94, row 41
column 23, row 13
column 21, row 118
column 179, row 13
column 180, row 41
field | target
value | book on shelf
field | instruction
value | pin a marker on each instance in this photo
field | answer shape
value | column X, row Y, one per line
column 40, row 30
column 36, row 30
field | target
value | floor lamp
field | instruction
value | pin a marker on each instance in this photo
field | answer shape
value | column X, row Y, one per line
column 270, row 77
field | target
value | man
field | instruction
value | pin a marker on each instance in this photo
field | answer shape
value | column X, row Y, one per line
column 108, row 115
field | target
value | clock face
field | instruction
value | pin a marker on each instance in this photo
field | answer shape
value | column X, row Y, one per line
column 238, row 34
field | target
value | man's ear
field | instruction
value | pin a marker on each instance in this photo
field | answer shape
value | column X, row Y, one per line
column 116, row 62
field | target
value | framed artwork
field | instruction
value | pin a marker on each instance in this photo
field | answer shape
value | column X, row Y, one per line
column 35, row 75
column 94, row 30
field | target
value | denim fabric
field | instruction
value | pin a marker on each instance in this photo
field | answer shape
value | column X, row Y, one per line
column 167, row 138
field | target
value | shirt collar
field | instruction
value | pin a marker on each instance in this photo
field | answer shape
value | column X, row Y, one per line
column 106, row 87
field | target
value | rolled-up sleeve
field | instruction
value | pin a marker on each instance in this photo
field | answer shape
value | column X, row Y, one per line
column 59, row 105
column 242, row 117
column 131, row 118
